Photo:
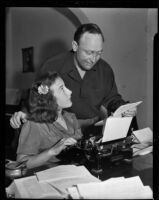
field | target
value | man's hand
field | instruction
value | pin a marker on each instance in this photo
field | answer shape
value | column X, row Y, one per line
column 15, row 120
column 130, row 113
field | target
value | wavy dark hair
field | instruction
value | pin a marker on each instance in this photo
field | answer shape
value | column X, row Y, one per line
column 90, row 28
column 43, row 107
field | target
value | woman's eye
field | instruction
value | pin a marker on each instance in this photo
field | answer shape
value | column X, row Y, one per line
column 62, row 89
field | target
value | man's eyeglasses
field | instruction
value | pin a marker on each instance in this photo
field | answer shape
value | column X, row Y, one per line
column 92, row 53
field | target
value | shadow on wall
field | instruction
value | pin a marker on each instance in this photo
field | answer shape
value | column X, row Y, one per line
column 56, row 46
column 51, row 48
column 69, row 15
column 48, row 48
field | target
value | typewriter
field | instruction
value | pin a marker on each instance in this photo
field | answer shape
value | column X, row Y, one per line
column 100, row 155
column 97, row 152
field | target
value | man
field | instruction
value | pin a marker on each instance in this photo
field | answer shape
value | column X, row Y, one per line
column 88, row 76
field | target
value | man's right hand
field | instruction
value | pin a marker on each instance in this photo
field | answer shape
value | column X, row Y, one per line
column 15, row 120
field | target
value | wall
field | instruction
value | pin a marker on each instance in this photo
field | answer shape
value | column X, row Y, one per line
column 127, row 48
column 43, row 28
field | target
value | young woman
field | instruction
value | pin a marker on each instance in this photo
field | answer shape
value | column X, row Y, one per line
column 49, row 129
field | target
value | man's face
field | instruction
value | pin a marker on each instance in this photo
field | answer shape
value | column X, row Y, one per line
column 89, row 50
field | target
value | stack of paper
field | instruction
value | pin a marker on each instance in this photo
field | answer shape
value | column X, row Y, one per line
column 62, row 171
column 114, row 188
column 51, row 183
column 144, row 135
column 144, row 139
column 65, row 176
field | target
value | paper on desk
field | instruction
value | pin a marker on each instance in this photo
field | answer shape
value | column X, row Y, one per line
column 73, row 191
column 20, row 189
column 124, row 188
column 116, row 128
column 143, row 151
column 64, row 183
column 119, row 180
column 29, row 187
column 65, row 176
column 125, row 108
column 55, row 186
column 144, row 135
column 62, row 172
column 41, row 190
column 113, row 182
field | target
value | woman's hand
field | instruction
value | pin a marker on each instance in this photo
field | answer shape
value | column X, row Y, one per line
column 62, row 144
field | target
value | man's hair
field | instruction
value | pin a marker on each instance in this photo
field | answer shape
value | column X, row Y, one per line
column 90, row 28
column 43, row 106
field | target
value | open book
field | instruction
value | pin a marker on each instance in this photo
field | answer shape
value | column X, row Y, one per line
column 119, row 111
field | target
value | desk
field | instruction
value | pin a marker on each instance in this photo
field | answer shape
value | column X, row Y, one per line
column 140, row 166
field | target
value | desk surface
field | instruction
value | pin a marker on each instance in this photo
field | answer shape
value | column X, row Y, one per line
column 141, row 166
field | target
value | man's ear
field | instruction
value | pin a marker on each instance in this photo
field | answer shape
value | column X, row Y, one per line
column 74, row 46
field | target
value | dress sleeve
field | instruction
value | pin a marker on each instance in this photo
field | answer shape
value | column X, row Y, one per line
column 29, row 139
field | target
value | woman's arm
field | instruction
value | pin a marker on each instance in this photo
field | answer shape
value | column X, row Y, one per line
column 41, row 158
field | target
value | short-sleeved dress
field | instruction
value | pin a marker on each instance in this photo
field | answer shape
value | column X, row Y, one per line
column 37, row 137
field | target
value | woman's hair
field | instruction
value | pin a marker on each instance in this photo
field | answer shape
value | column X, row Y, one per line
column 90, row 28
column 42, row 104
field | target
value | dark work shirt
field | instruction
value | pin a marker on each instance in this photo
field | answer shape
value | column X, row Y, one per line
column 97, row 88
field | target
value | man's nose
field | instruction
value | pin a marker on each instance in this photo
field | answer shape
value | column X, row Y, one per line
column 93, row 58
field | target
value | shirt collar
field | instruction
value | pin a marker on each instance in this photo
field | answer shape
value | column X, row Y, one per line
column 70, row 63
column 94, row 68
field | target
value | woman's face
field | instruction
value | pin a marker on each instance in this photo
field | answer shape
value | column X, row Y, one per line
column 61, row 93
